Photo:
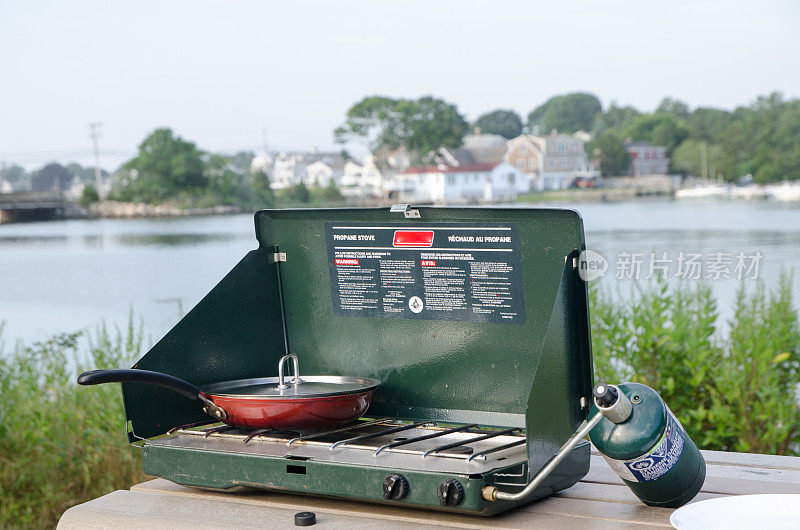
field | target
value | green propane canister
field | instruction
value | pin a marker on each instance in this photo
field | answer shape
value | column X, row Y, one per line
column 646, row 445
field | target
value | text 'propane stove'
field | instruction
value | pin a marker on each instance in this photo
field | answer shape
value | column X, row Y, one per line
column 458, row 337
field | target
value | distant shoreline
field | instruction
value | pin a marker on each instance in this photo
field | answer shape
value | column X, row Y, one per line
column 591, row 195
column 127, row 210
column 130, row 210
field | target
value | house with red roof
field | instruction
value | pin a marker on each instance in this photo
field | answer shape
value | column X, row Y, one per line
column 474, row 182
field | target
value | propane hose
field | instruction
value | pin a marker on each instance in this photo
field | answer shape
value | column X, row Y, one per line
column 611, row 403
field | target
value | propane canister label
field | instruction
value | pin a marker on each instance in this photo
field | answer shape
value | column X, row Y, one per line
column 658, row 460
column 430, row 271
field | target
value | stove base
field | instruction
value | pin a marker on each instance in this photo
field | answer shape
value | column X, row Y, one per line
column 229, row 471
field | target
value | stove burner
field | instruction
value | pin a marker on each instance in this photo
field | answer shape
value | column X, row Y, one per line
column 460, row 450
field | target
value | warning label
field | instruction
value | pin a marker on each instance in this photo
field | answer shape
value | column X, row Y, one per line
column 438, row 271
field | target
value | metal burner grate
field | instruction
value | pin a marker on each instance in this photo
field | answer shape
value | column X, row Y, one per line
column 467, row 442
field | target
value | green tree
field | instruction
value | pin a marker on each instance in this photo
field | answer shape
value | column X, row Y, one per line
column 672, row 106
column 735, row 149
column 89, row 195
column 326, row 194
column 229, row 185
column 506, row 123
column 567, row 113
column 687, row 158
column 165, row 166
column 85, row 174
column 614, row 159
column 615, row 118
column 14, row 174
column 432, row 123
column 52, row 177
column 706, row 124
column 296, row 194
column 241, row 160
column 659, row 129
column 375, row 122
column 264, row 196
column 763, row 140
column 420, row 125
column 774, row 127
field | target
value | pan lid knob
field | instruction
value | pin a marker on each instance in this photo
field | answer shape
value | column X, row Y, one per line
column 295, row 365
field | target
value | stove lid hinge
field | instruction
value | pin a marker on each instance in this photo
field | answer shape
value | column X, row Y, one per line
column 407, row 211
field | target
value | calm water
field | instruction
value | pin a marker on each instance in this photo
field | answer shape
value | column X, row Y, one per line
column 63, row 276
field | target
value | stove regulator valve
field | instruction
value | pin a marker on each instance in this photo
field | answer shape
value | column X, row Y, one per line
column 395, row 487
column 450, row 492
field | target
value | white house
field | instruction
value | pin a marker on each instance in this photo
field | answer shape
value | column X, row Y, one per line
column 399, row 159
column 310, row 168
column 551, row 162
column 282, row 175
column 75, row 189
column 320, row 174
column 477, row 182
column 261, row 163
column 362, row 181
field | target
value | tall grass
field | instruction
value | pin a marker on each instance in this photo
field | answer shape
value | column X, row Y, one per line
column 61, row 444
column 734, row 387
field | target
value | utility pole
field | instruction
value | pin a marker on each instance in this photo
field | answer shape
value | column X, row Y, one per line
column 94, row 134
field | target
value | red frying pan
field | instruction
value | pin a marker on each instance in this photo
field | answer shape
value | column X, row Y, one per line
column 307, row 403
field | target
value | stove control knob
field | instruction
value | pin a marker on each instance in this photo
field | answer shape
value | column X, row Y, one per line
column 450, row 492
column 395, row 487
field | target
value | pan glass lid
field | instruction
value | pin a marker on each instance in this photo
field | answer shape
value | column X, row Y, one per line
column 311, row 386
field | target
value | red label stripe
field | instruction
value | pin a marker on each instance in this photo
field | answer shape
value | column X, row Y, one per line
column 413, row 238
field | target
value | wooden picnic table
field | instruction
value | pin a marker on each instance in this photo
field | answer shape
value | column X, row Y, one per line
column 600, row 500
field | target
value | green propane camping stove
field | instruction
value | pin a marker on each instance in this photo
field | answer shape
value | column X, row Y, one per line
column 474, row 320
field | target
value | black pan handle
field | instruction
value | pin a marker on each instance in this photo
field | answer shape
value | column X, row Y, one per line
column 96, row 377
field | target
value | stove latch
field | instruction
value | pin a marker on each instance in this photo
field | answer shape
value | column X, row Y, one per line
column 407, row 211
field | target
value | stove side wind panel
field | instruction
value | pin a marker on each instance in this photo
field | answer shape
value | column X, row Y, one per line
column 234, row 332
column 562, row 387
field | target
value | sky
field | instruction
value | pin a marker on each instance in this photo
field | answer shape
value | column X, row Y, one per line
column 220, row 73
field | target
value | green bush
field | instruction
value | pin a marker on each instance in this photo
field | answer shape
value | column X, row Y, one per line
column 297, row 194
column 733, row 387
column 326, row 195
column 89, row 195
column 61, row 444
